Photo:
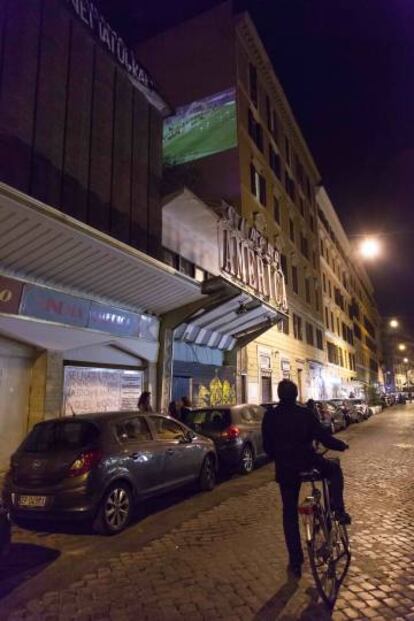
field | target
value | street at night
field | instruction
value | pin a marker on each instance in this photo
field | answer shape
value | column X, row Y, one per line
column 221, row 555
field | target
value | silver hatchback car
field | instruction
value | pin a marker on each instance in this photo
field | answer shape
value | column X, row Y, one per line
column 97, row 466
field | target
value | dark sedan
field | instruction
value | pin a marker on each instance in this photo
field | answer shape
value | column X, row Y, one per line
column 236, row 431
column 98, row 466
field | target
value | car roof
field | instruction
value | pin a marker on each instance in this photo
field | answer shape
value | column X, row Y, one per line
column 100, row 416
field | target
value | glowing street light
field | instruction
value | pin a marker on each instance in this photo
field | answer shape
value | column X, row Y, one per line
column 370, row 248
column 394, row 323
column 402, row 347
column 405, row 360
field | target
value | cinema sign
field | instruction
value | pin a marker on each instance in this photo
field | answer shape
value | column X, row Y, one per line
column 250, row 260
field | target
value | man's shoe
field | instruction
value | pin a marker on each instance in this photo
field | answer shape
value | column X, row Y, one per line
column 295, row 569
column 343, row 517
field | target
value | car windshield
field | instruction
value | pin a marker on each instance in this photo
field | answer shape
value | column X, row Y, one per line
column 55, row 436
column 209, row 420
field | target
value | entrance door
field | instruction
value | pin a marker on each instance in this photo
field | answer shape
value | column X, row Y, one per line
column 266, row 388
column 14, row 401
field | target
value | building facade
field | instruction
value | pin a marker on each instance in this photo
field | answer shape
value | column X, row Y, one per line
column 265, row 171
column 352, row 324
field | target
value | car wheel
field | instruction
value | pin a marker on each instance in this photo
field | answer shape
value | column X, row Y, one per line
column 115, row 510
column 207, row 479
column 247, row 460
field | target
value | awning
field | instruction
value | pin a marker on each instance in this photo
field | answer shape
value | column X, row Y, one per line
column 40, row 244
column 240, row 317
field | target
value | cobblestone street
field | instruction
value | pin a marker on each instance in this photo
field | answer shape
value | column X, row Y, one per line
column 225, row 559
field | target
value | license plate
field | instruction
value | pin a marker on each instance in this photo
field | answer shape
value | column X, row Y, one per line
column 32, row 501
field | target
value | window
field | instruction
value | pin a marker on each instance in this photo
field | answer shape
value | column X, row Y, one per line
column 338, row 326
column 253, row 84
column 314, row 259
column 324, row 282
column 290, row 186
column 304, row 246
column 257, row 185
column 186, row 267
column 309, row 334
column 319, row 339
column 326, row 317
column 276, row 209
column 317, row 304
column 332, row 322
column 295, row 282
column 171, row 258
column 274, row 162
column 208, row 420
column 283, row 265
column 344, row 331
column 288, row 151
column 135, row 429
column 307, row 291
column 55, row 435
column 357, row 331
column 312, row 223
column 340, row 357
column 297, row 327
column 329, row 288
column 255, row 131
column 332, row 353
column 322, row 249
column 168, row 429
column 291, row 230
column 284, row 325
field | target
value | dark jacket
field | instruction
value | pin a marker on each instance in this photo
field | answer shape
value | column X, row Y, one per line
column 288, row 434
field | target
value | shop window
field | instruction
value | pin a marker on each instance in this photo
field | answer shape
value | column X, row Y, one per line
column 133, row 429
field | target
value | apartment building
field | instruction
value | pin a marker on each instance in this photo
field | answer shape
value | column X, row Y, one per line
column 266, row 172
column 352, row 324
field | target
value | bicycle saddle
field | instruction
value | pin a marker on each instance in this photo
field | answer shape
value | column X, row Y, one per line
column 311, row 475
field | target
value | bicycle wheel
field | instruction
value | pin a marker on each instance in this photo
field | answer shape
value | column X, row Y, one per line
column 321, row 559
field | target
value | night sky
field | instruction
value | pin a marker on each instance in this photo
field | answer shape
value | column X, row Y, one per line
column 347, row 67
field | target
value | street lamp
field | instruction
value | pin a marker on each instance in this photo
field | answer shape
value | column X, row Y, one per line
column 370, row 248
column 394, row 323
column 402, row 347
column 405, row 360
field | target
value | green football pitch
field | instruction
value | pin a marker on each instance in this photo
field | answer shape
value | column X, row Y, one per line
column 211, row 131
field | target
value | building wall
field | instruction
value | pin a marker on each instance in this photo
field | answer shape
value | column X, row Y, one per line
column 74, row 132
column 278, row 207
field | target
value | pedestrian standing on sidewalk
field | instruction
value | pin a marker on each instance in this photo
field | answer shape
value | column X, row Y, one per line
column 144, row 402
column 289, row 431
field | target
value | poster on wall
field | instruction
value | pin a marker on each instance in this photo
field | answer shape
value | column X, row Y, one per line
column 201, row 128
column 91, row 389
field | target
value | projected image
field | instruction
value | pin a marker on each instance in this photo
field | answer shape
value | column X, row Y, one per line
column 202, row 128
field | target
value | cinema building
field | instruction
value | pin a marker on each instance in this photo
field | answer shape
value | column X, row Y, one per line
column 89, row 309
column 233, row 138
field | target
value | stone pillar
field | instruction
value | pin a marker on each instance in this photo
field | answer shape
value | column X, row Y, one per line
column 46, row 390
column 165, row 368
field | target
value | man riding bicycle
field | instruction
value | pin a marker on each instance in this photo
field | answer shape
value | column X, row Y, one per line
column 289, row 431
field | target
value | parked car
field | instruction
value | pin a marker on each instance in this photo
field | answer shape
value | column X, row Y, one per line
column 325, row 413
column 350, row 412
column 362, row 407
column 236, row 432
column 339, row 418
column 98, row 466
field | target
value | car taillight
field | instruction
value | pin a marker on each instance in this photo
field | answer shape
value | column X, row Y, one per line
column 85, row 462
column 231, row 433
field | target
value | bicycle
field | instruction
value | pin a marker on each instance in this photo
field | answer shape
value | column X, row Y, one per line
column 326, row 539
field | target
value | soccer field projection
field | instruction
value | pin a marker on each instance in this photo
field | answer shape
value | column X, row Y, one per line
column 201, row 128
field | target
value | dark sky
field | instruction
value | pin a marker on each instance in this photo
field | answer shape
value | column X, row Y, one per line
column 347, row 67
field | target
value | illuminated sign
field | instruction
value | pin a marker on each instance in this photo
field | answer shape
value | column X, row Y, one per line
column 43, row 303
column 248, row 258
column 201, row 128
